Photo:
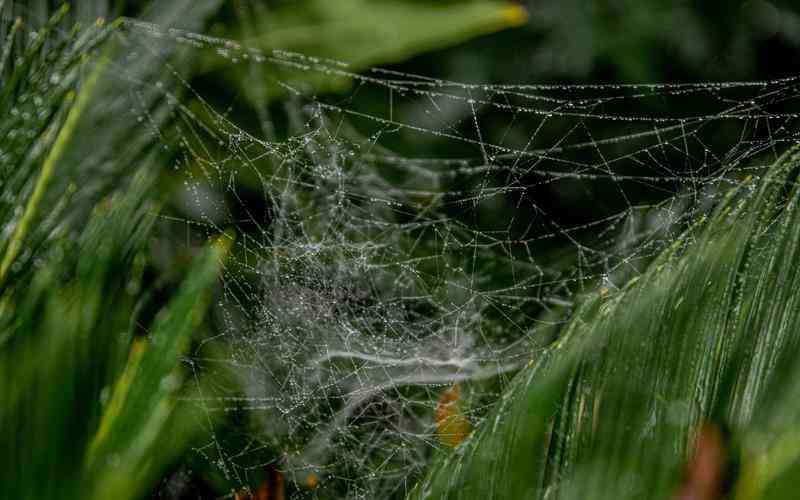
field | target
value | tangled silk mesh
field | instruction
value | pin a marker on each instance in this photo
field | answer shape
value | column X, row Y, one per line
column 368, row 279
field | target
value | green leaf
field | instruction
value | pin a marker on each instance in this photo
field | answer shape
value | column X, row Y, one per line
column 141, row 412
column 88, row 408
column 365, row 33
column 709, row 333
column 368, row 32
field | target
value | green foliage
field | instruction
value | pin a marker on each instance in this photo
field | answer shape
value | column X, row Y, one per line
column 364, row 33
column 92, row 344
column 708, row 333
column 82, row 422
column 88, row 374
column 90, row 351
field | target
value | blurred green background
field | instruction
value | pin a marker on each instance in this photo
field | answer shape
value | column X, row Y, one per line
column 478, row 41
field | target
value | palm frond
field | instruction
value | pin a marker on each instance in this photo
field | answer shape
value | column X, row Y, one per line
column 709, row 333
column 88, row 377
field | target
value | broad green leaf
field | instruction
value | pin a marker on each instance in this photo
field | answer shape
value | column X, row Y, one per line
column 368, row 32
column 709, row 333
column 365, row 33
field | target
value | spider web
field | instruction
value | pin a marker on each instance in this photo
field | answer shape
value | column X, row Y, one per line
column 367, row 279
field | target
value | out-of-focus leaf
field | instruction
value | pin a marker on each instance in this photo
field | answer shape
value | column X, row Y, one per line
column 86, row 422
column 366, row 33
column 87, row 410
column 141, row 409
